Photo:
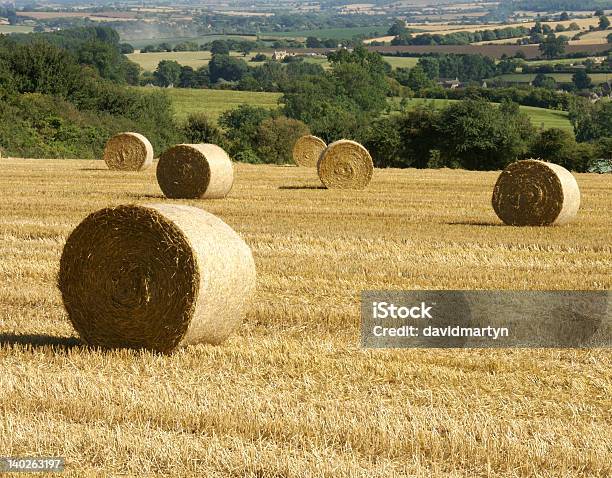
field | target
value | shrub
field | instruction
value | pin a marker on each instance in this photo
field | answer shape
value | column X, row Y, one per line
column 276, row 137
column 200, row 129
column 559, row 146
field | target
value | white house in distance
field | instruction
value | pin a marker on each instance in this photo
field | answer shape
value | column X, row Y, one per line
column 281, row 55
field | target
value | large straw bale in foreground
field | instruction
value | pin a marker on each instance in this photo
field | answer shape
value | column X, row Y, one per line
column 535, row 193
column 128, row 152
column 307, row 150
column 157, row 277
column 195, row 171
column 345, row 165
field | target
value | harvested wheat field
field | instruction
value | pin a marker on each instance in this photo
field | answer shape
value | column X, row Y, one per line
column 291, row 394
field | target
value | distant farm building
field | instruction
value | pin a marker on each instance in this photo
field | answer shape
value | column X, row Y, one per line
column 281, row 55
column 449, row 84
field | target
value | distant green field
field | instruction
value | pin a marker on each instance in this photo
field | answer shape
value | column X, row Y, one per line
column 214, row 102
column 138, row 44
column 540, row 117
column 559, row 77
column 194, row 59
column 562, row 61
column 330, row 33
column 14, row 29
column 401, row 62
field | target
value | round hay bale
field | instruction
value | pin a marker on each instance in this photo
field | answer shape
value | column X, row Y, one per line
column 195, row 171
column 345, row 165
column 157, row 277
column 128, row 152
column 307, row 150
column 535, row 193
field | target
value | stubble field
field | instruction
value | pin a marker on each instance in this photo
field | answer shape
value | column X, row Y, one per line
column 292, row 394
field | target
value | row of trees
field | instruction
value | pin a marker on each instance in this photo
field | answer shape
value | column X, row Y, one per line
column 405, row 37
column 67, row 100
column 472, row 134
column 216, row 46
column 224, row 71
column 96, row 47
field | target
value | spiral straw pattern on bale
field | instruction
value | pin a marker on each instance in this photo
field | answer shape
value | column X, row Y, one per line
column 156, row 277
column 536, row 193
column 128, row 152
column 345, row 165
column 195, row 171
column 307, row 150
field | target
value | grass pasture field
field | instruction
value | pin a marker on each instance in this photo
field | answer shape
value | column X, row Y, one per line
column 214, row 102
column 194, row 59
column 149, row 61
column 292, row 394
column 5, row 29
column 401, row 61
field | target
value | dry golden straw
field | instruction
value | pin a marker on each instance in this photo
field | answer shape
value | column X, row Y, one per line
column 307, row 150
column 535, row 193
column 128, row 152
column 156, row 277
column 345, row 165
column 195, row 171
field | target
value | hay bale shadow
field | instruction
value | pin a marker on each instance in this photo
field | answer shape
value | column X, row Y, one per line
column 302, row 187
column 40, row 340
column 146, row 196
column 476, row 223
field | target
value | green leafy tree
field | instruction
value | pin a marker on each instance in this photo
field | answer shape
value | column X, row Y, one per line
column 581, row 80
column 383, row 141
column 398, row 28
column 553, row 46
column 418, row 79
column 200, row 129
column 559, row 146
column 313, row 42
column 431, row 67
column 227, row 68
column 543, row 81
column 604, row 23
column 553, row 145
column 481, row 136
column 563, row 17
column 276, row 137
column 168, row 73
column 242, row 128
column 219, row 47
column 126, row 48
column 419, row 135
column 339, row 102
column 591, row 121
